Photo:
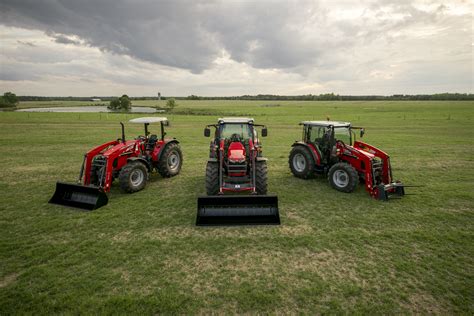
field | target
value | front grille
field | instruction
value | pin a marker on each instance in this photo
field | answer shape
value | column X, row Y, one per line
column 377, row 167
column 237, row 168
column 98, row 170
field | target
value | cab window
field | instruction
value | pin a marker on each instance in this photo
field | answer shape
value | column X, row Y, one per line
column 227, row 130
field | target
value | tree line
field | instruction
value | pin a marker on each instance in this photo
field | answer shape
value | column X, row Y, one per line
column 275, row 97
column 337, row 97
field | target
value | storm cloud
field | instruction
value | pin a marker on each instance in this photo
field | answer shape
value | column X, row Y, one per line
column 320, row 41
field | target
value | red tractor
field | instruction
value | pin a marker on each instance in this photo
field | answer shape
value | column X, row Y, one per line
column 236, row 165
column 330, row 148
column 131, row 161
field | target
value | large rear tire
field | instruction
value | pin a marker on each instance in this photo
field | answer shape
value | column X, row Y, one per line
column 170, row 161
column 133, row 177
column 261, row 177
column 212, row 178
column 343, row 177
column 301, row 163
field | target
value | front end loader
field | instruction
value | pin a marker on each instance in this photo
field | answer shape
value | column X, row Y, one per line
column 131, row 161
column 236, row 177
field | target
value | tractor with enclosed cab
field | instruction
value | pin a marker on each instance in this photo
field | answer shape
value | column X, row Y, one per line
column 236, row 176
column 330, row 148
column 129, row 161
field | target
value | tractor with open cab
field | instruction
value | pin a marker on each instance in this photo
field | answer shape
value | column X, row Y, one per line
column 130, row 161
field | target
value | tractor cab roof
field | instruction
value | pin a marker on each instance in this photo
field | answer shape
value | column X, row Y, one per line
column 235, row 120
column 326, row 123
column 148, row 120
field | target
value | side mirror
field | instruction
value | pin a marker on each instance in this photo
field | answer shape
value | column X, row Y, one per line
column 362, row 132
column 207, row 132
column 264, row 132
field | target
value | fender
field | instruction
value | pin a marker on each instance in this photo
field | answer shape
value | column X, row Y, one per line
column 314, row 152
column 142, row 160
column 167, row 142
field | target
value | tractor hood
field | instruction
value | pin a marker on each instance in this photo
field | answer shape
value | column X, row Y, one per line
column 360, row 151
column 236, row 152
column 121, row 147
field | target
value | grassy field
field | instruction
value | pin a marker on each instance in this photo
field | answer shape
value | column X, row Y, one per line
column 333, row 253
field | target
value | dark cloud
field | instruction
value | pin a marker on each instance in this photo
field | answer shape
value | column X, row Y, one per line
column 15, row 72
column 183, row 34
column 339, row 42
column 30, row 44
column 63, row 39
column 165, row 32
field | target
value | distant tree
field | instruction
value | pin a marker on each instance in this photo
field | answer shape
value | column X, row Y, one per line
column 123, row 103
column 193, row 97
column 114, row 104
column 171, row 104
column 8, row 100
column 3, row 103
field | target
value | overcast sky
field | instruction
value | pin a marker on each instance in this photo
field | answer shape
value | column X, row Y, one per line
column 140, row 47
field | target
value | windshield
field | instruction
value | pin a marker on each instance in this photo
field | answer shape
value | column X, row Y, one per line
column 343, row 134
column 243, row 130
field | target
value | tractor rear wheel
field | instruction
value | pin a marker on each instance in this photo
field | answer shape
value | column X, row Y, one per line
column 301, row 162
column 133, row 177
column 343, row 177
column 170, row 161
column 212, row 178
column 261, row 177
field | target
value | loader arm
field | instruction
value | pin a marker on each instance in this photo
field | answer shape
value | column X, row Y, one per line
column 89, row 156
column 386, row 168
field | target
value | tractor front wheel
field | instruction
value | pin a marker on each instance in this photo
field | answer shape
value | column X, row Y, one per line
column 133, row 177
column 212, row 178
column 171, row 161
column 261, row 177
column 343, row 177
column 301, row 162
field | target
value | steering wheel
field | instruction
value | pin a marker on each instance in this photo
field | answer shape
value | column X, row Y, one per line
column 235, row 138
column 340, row 141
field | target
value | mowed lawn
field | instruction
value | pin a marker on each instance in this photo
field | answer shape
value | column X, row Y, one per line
column 333, row 253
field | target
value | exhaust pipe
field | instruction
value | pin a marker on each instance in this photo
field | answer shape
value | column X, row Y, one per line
column 123, row 132
column 229, row 210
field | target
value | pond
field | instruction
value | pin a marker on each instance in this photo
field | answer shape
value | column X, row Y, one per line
column 91, row 109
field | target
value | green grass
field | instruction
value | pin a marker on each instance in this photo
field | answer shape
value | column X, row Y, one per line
column 333, row 253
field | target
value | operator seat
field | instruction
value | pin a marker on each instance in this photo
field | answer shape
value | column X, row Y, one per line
column 151, row 142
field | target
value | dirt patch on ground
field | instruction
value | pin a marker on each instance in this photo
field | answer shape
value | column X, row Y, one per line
column 231, row 232
column 8, row 279
column 243, row 266
column 30, row 168
column 423, row 303
column 122, row 236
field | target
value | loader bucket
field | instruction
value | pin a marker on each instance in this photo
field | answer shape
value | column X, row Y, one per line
column 238, row 210
column 79, row 196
